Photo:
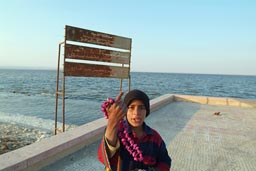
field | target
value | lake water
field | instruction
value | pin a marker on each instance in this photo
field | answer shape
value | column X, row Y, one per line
column 27, row 97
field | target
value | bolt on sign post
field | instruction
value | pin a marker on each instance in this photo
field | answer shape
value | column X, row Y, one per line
column 90, row 53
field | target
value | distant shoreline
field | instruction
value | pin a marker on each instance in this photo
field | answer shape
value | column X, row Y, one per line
column 155, row 72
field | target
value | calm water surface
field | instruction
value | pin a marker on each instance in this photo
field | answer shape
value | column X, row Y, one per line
column 28, row 96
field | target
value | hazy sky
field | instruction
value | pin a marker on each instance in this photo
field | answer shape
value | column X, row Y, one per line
column 181, row 36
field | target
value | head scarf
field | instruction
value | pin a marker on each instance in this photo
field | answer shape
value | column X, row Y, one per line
column 138, row 95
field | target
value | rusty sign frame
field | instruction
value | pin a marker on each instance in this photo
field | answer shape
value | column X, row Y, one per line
column 109, row 57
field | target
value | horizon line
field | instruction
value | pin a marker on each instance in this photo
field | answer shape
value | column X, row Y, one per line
column 54, row 69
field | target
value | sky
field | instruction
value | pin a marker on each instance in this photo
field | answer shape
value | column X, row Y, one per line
column 173, row 36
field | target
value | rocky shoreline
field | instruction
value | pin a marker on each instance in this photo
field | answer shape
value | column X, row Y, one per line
column 14, row 136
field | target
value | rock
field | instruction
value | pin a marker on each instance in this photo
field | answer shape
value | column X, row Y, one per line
column 3, row 147
column 15, row 136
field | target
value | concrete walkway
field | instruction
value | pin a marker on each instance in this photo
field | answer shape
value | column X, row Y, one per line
column 197, row 140
column 208, row 142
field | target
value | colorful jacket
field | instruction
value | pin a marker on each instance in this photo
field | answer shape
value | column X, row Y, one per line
column 153, row 149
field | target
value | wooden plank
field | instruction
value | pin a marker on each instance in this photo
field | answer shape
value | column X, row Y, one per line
column 95, row 54
column 92, row 70
column 98, row 38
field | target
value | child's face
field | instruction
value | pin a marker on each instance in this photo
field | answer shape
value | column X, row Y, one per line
column 136, row 113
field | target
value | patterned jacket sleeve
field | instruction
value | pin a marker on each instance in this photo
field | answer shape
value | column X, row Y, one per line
column 164, row 163
column 102, row 154
column 104, row 157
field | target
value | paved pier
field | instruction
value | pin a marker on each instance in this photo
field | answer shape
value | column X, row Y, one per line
column 208, row 142
column 196, row 138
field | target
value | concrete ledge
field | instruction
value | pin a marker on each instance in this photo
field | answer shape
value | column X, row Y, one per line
column 160, row 101
column 47, row 151
column 216, row 100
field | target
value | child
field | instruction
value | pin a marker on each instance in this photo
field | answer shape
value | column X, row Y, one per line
column 130, row 144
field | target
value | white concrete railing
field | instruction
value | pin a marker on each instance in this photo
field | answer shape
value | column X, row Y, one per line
column 215, row 100
column 48, row 150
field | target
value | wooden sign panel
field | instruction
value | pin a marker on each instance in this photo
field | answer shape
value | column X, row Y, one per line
column 92, row 70
column 98, row 38
column 95, row 54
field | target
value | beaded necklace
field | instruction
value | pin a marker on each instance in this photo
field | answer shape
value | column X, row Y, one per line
column 123, row 133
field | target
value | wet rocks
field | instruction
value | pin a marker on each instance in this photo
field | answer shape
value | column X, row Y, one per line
column 14, row 136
